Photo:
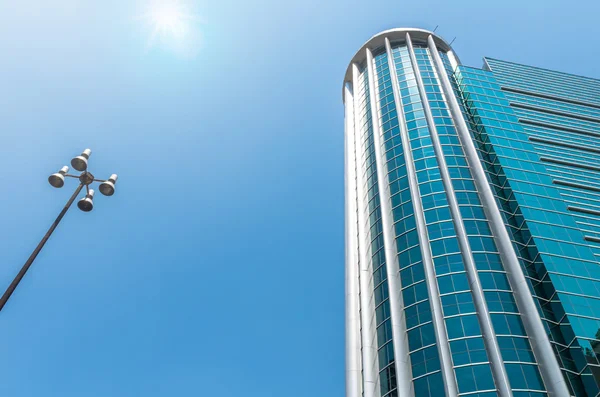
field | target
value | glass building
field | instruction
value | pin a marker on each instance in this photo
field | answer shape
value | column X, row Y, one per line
column 472, row 225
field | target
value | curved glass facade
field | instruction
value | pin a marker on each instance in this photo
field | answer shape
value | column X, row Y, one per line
column 482, row 223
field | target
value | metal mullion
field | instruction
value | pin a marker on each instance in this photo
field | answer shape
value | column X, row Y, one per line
column 352, row 315
column 445, row 356
column 401, row 352
column 370, row 375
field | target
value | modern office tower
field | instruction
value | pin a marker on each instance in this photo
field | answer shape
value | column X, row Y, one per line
column 472, row 225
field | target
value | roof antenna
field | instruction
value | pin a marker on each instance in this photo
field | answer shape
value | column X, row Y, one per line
column 436, row 26
column 452, row 41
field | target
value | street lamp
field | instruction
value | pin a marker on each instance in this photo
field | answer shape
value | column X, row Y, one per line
column 86, row 204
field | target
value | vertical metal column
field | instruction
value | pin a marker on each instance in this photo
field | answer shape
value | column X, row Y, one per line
column 540, row 344
column 353, row 364
column 368, row 335
column 399, row 334
column 483, row 315
column 430, row 279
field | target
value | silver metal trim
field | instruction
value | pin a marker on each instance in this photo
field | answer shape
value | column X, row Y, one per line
column 575, row 185
column 546, row 96
column 592, row 239
column 353, row 348
column 370, row 362
column 569, row 163
column 583, row 210
column 549, row 368
column 560, row 113
column 483, row 315
column 454, row 62
column 557, row 127
column 399, row 334
column 430, row 278
column 561, row 143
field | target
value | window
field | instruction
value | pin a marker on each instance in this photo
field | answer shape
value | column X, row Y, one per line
column 473, row 378
column 461, row 326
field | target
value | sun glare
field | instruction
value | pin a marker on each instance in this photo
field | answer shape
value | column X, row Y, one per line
column 169, row 17
column 173, row 24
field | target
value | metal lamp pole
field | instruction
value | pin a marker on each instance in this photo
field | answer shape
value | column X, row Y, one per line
column 86, row 204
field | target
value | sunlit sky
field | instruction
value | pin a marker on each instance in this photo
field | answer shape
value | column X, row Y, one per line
column 216, row 269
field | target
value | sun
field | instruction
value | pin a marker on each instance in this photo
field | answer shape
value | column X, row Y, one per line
column 169, row 17
column 172, row 24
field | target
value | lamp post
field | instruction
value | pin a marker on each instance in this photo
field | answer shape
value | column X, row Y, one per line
column 86, row 204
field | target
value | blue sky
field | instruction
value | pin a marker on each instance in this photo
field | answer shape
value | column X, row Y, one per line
column 217, row 267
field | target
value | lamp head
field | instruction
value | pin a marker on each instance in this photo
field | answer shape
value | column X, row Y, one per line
column 86, row 204
column 80, row 163
column 107, row 188
column 58, row 179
